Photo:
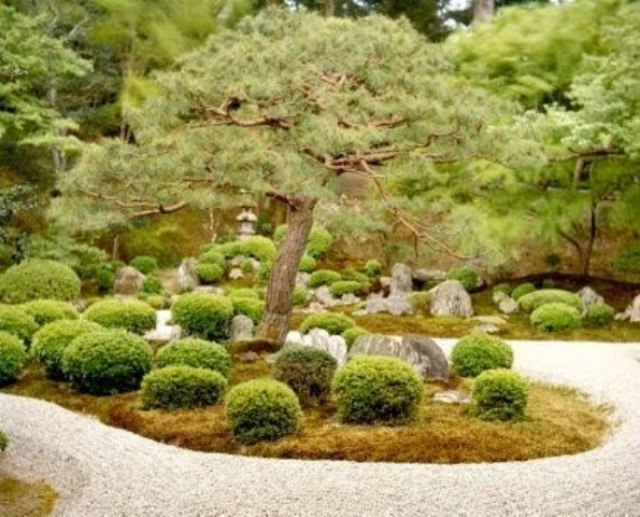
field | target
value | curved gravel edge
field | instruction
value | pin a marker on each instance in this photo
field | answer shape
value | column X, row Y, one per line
column 102, row 471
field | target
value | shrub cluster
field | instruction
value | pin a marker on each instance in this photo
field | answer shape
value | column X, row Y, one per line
column 151, row 285
column 503, row 288
column 598, row 315
column 555, row 317
column 50, row 342
column 196, row 353
column 373, row 389
column 319, row 242
column 522, row 289
column 308, row 371
column 213, row 257
column 500, row 395
column 307, row 264
column 323, row 277
column 530, row 302
column 106, row 362
column 132, row 315
column 144, row 263
column 351, row 334
column 16, row 321
column 37, row 279
column 373, row 268
column 299, row 297
column 46, row 311
column 342, row 287
column 12, row 357
column 627, row 260
column 203, row 315
column 465, row 275
column 333, row 323
column 182, row 387
column 478, row 352
column 250, row 307
column 262, row 409
column 209, row 273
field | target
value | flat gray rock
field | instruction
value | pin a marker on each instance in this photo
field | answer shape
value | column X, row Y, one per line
column 452, row 397
column 241, row 328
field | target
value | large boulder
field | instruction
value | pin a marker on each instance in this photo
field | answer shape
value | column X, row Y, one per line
column 128, row 281
column 397, row 304
column 633, row 311
column 589, row 297
column 420, row 352
column 335, row 346
column 241, row 328
column 401, row 279
column 187, row 279
column 429, row 275
column 451, row 299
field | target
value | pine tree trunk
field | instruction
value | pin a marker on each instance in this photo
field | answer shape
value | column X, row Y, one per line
column 588, row 250
column 329, row 8
column 275, row 323
column 483, row 10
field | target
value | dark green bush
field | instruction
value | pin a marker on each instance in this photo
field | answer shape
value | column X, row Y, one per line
column 209, row 273
column 213, row 257
column 372, row 390
column 373, row 268
column 299, row 297
column 50, row 342
column 105, row 279
column 465, row 275
column 598, row 315
column 106, row 362
column 15, row 320
column 555, row 317
column 262, row 409
column 132, row 315
column 308, row 371
column 530, row 302
column 203, row 315
column 522, row 289
column 323, row 277
column 12, row 357
column 37, row 279
column 503, row 288
column 333, row 323
column 250, row 307
column 196, row 353
column 342, row 287
column 627, row 259
column 182, row 387
column 478, row 352
column 351, row 334
column 144, row 263
column 307, row 264
column 151, row 285
column 500, row 395
column 319, row 242
column 46, row 311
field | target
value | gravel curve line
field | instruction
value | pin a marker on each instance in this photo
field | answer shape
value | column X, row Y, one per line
column 102, row 471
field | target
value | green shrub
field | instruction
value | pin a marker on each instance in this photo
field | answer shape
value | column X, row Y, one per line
column 627, row 259
column 530, row 302
column 598, row 315
column 209, row 273
column 333, row 323
column 323, row 277
column 307, row 264
column 230, row 249
column 308, row 371
column 262, row 409
column 342, row 287
column 555, row 317
column 132, row 315
column 503, row 288
column 373, row 268
column 351, row 334
column 37, row 279
column 50, row 342
column 465, row 275
column 264, row 272
column 357, row 276
column 213, row 257
column 477, row 352
column 250, row 307
column 106, row 362
column 247, row 266
column 196, row 353
column 372, row 389
column 156, row 301
column 522, row 289
column 46, row 311
column 4, row 441
column 258, row 247
column 243, row 292
column 182, row 387
column 299, row 297
column 279, row 233
column 548, row 283
column 500, row 395
column 144, row 264
column 151, row 285
column 12, row 357
column 319, row 242
column 203, row 315
column 15, row 320
column 209, row 246
column 105, row 279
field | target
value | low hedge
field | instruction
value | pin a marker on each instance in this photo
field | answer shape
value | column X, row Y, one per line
column 196, row 353
column 555, row 317
column 342, row 287
column 132, row 315
column 477, row 352
column 307, row 264
column 503, row 288
column 203, row 315
column 530, row 302
column 12, row 357
column 500, row 395
column 323, row 277
column 15, row 320
column 46, row 311
column 465, row 275
column 144, row 263
column 373, row 268
column 250, row 307
column 212, row 257
column 299, row 297
column 522, row 289
column 598, row 315
column 333, row 323
column 209, row 273
column 37, row 279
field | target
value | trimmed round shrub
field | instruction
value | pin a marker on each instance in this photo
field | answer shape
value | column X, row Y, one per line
column 375, row 389
column 15, row 320
column 12, row 357
column 351, row 334
column 209, row 273
column 132, row 315
column 106, row 362
column 503, row 288
column 342, row 287
column 307, row 264
column 196, row 353
column 156, row 301
column 357, row 276
column 308, row 371
column 250, row 307
column 50, row 342
column 37, row 279
column 258, row 247
column 598, row 315
column 500, row 395
column 522, row 289
column 299, row 297
column 182, row 387
column 203, row 315
column 144, row 263
column 151, row 285
column 46, row 311
column 262, row 409
column 212, row 257
column 555, row 317
column 373, row 268
column 319, row 242
column 478, row 352
column 530, row 302
column 243, row 292
column 247, row 266
column 333, row 323
column 323, row 277
column 279, row 233
column 230, row 249
column 4, row 441
column 465, row 275
column 105, row 279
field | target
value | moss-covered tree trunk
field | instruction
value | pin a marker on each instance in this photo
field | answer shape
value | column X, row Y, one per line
column 275, row 323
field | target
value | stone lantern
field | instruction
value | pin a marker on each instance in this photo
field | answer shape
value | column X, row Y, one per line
column 247, row 219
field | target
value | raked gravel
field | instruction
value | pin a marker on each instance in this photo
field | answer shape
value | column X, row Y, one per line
column 102, row 471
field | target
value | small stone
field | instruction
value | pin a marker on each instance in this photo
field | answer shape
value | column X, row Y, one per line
column 508, row 306
column 452, row 397
column 633, row 311
column 209, row 289
column 247, row 357
column 498, row 296
column 302, row 279
column 487, row 328
column 493, row 320
column 236, row 274
column 241, row 328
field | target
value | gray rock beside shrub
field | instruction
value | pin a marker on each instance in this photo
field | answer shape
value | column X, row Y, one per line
column 508, row 306
column 187, row 278
column 401, row 279
column 632, row 313
column 128, row 281
column 451, row 299
column 335, row 346
column 589, row 297
column 241, row 328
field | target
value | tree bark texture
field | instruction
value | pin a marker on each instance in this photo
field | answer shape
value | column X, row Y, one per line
column 282, row 281
column 483, row 10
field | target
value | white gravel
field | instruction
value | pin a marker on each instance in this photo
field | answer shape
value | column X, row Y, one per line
column 99, row 470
